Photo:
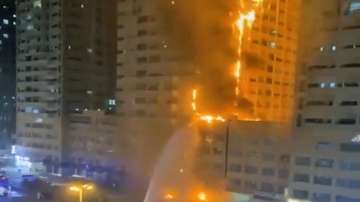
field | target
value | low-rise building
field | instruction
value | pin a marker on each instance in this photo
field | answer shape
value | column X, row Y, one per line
column 251, row 157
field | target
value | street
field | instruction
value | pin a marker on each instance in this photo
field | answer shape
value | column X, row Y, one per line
column 57, row 189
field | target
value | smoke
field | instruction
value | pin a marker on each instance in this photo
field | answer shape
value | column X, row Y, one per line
column 203, row 32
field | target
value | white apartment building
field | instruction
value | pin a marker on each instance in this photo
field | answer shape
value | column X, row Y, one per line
column 326, row 158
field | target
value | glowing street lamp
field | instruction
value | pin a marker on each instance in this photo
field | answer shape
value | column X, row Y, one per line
column 81, row 189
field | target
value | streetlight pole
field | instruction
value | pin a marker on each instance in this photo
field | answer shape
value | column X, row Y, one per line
column 81, row 192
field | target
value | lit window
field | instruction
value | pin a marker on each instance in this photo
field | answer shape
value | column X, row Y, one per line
column 6, row 36
column 272, row 45
column 14, row 16
column 14, row 23
column 322, row 85
column 6, row 21
column 321, row 49
column 30, row 27
column 333, row 48
column 82, row 6
column 37, row 4
column 332, row 85
column 112, row 102
column 28, row 109
column 90, row 50
column 354, row 8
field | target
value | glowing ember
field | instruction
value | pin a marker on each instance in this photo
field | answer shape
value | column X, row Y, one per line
column 169, row 196
column 202, row 196
column 210, row 119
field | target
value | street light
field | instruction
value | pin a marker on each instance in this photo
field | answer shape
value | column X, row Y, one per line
column 81, row 189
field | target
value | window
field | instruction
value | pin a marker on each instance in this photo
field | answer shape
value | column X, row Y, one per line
column 303, row 161
column 350, row 147
column 324, row 163
column 268, row 172
column 320, row 180
column 300, row 194
column 353, row 8
column 251, row 170
column 267, row 187
column 283, row 173
column 268, row 156
column 235, row 168
column 348, row 183
column 321, row 197
column 349, row 165
column 5, row 21
column 340, row 198
column 235, row 182
column 301, row 178
column 325, row 146
column 37, row 4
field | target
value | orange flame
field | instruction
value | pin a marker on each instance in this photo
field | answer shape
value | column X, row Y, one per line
column 210, row 119
column 194, row 98
column 244, row 21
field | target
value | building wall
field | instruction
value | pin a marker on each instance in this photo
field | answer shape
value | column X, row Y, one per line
column 325, row 162
column 64, row 63
column 94, row 139
column 268, row 77
column 7, row 73
column 258, row 158
column 38, row 131
column 149, row 83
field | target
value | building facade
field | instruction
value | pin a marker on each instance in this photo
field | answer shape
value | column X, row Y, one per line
column 7, row 73
column 65, row 52
column 94, row 142
column 252, row 157
column 269, row 74
column 325, row 165
column 150, row 101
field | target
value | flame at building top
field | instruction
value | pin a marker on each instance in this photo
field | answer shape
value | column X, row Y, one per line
column 218, row 37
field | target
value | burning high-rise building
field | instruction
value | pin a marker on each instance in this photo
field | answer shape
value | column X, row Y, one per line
column 255, row 156
column 207, row 58
column 244, row 55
